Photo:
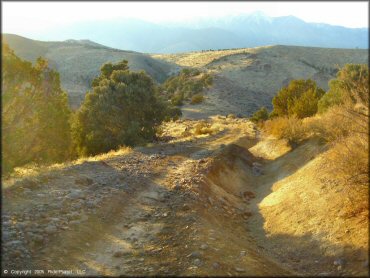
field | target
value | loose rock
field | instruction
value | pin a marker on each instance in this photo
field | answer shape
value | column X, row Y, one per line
column 197, row 262
column 204, row 246
column 194, row 254
column 50, row 229
column 76, row 194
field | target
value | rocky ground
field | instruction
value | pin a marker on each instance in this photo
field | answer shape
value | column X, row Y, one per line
column 184, row 206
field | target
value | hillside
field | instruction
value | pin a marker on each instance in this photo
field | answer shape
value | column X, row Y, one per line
column 246, row 79
column 79, row 61
column 229, row 202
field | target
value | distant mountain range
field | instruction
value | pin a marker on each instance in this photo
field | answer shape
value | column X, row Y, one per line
column 242, row 31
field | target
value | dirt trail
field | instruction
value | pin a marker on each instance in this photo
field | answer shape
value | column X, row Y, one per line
column 144, row 213
column 187, row 206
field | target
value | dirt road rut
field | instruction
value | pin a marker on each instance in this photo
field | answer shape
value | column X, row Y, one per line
column 155, row 211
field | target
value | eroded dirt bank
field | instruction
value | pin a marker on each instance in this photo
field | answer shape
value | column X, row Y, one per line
column 212, row 204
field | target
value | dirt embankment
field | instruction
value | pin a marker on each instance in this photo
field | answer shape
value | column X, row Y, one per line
column 221, row 203
column 302, row 213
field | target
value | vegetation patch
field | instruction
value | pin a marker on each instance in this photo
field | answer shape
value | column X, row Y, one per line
column 260, row 115
column 35, row 113
column 299, row 99
column 205, row 128
column 121, row 110
column 342, row 123
column 197, row 99
column 188, row 85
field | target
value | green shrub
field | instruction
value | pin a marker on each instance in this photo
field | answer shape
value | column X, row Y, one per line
column 185, row 85
column 354, row 83
column 291, row 129
column 35, row 113
column 350, row 87
column 343, row 122
column 185, row 72
column 177, row 99
column 121, row 110
column 172, row 113
column 300, row 99
column 273, row 115
column 332, row 97
column 207, row 80
column 197, row 99
column 260, row 115
column 195, row 87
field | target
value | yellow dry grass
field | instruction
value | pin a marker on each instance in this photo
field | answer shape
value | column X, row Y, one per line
column 33, row 170
column 291, row 129
column 202, row 58
column 346, row 135
column 187, row 130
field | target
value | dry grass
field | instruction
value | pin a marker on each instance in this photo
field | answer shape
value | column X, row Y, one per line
column 200, row 59
column 291, row 129
column 349, row 160
column 350, row 157
column 331, row 126
column 346, row 132
column 33, row 170
column 186, row 130
column 121, row 151
column 203, row 128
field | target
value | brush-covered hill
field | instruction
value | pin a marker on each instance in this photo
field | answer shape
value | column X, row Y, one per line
column 244, row 79
column 79, row 61
column 248, row 78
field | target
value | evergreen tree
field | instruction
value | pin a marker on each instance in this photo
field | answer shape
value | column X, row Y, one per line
column 351, row 87
column 260, row 115
column 35, row 113
column 299, row 98
column 121, row 109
